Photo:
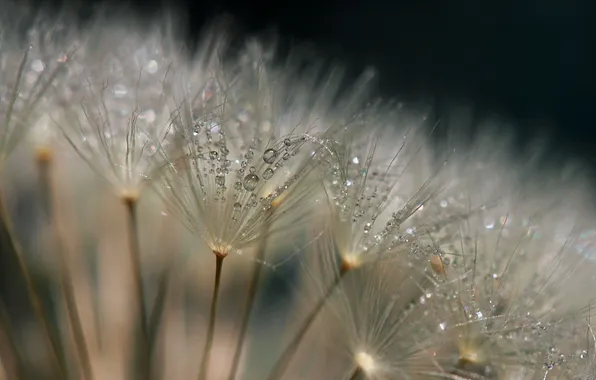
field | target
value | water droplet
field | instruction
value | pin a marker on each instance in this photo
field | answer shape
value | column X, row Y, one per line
column 249, row 155
column 287, row 142
column 269, row 156
column 119, row 90
column 220, row 180
column 37, row 65
column 237, row 206
column 152, row 66
column 213, row 155
column 250, row 182
column 268, row 173
column 252, row 169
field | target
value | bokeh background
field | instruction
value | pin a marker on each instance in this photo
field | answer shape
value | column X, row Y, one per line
column 530, row 62
column 527, row 63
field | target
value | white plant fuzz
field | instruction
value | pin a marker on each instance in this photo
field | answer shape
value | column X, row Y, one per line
column 28, row 75
column 246, row 142
column 373, row 252
column 115, row 104
column 374, row 185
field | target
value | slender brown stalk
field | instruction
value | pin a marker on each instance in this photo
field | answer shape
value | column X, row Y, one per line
column 130, row 200
column 34, row 297
column 14, row 365
column 357, row 374
column 158, row 306
column 212, row 313
column 282, row 363
column 250, row 300
column 44, row 161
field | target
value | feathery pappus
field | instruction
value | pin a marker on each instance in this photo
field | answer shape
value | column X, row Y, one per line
column 234, row 214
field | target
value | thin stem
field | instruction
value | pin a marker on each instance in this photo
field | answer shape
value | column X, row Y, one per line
column 35, row 298
column 212, row 313
column 44, row 162
column 250, row 300
column 282, row 363
column 357, row 374
column 135, row 255
column 6, row 330
column 158, row 307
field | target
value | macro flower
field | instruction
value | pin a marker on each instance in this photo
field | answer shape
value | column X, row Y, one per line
column 374, row 186
column 245, row 143
column 29, row 77
column 115, row 110
column 362, row 245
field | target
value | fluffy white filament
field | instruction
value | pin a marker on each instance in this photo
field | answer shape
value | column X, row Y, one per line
column 428, row 262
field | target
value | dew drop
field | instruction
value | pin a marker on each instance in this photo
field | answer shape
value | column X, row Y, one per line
column 252, row 169
column 37, row 66
column 237, row 206
column 287, row 142
column 152, row 66
column 268, row 173
column 213, row 155
column 269, row 156
column 220, row 180
column 250, row 182
column 120, row 90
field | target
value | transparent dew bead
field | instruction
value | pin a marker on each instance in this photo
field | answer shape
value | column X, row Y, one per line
column 268, row 173
column 237, row 206
column 269, row 156
column 220, row 180
column 213, row 155
column 250, row 182
column 287, row 142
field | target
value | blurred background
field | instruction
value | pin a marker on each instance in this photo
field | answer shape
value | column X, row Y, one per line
column 528, row 63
